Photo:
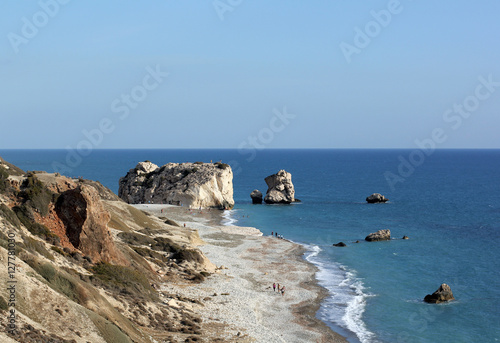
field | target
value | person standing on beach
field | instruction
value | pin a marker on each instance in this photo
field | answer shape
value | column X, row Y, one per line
column 272, row 233
column 274, row 287
column 283, row 291
column 278, row 288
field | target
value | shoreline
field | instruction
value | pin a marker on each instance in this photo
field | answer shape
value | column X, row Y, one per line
column 238, row 300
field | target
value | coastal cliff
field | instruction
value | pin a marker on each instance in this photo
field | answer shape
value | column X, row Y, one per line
column 88, row 266
column 189, row 184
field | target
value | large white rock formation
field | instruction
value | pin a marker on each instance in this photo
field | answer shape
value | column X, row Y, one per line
column 280, row 188
column 189, row 184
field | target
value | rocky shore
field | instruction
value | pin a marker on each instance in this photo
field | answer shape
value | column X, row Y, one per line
column 91, row 268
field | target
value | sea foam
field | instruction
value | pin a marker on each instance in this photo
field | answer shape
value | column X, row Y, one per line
column 346, row 302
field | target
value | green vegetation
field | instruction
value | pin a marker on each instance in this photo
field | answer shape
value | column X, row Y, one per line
column 148, row 253
column 4, row 183
column 59, row 251
column 4, row 306
column 59, row 281
column 8, row 214
column 36, row 195
column 161, row 244
column 221, row 165
column 33, row 246
column 135, row 238
column 123, row 280
column 109, row 331
column 177, row 252
column 171, row 222
column 26, row 217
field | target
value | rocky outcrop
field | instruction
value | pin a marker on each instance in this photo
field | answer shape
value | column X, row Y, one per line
column 443, row 294
column 280, row 188
column 61, row 230
column 376, row 198
column 189, row 184
column 85, row 221
column 256, row 196
column 380, row 235
column 340, row 244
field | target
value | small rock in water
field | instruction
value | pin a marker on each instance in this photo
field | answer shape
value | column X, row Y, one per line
column 380, row 235
column 443, row 294
column 256, row 196
column 376, row 198
column 406, row 237
column 340, row 244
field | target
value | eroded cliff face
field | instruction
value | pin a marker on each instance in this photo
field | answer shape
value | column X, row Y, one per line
column 86, row 220
column 64, row 230
column 189, row 184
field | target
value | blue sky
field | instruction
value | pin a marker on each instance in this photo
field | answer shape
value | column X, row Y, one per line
column 65, row 67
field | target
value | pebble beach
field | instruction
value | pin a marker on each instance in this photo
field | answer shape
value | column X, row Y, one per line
column 239, row 303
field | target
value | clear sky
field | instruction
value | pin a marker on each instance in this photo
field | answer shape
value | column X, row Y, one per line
column 242, row 73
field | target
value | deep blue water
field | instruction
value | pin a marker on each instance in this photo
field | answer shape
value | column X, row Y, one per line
column 449, row 206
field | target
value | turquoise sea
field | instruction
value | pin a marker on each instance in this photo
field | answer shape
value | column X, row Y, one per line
column 447, row 202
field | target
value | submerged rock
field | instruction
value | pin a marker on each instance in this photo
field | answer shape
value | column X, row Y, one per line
column 256, row 196
column 340, row 244
column 376, row 198
column 189, row 184
column 280, row 188
column 380, row 235
column 443, row 294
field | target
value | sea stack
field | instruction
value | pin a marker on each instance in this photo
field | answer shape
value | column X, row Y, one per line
column 443, row 294
column 188, row 184
column 280, row 188
column 376, row 198
column 256, row 196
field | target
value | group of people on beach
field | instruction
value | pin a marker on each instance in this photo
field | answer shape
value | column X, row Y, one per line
column 282, row 289
column 277, row 236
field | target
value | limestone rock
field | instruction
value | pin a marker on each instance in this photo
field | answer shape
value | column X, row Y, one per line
column 256, row 196
column 280, row 188
column 376, row 198
column 189, row 184
column 443, row 294
column 340, row 244
column 380, row 235
column 85, row 219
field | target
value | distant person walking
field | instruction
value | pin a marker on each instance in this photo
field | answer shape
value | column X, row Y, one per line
column 278, row 288
column 283, row 291
column 272, row 233
column 274, row 287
